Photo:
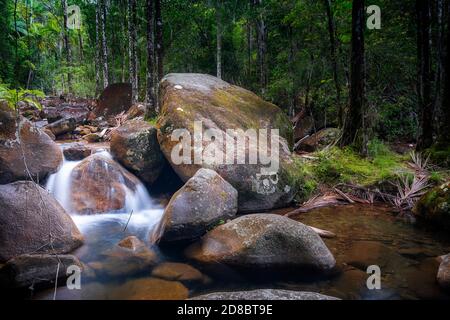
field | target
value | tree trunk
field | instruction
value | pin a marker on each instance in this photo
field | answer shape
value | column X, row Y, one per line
column 151, row 100
column 98, row 47
column 67, row 45
column 132, row 36
column 102, row 17
column 261, row 30
column 159, row 40
column 219, row 39
column 354, row 123
column 424, row 74
column 80, row 46
column 333, row 53
column 444, row 136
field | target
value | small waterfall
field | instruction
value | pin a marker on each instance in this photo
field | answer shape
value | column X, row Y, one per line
column 140, row 213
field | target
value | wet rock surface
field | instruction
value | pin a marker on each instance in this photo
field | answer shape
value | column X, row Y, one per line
column 203, row 202
column 264, row 294
column 135, row 146
column 264, row 240
column 34, row 222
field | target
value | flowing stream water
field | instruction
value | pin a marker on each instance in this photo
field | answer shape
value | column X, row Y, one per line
column 366, row 235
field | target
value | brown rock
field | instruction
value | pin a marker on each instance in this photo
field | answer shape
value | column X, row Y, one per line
column 98, row 185
column 151, row 289
column 115, row 99
column 443, row 276
column 320, row 139
column 135, row 146
column 28, row 216
column 37, row 270
column 41, row 154
column 63, row 126
column 77, row 152
column 136, row 110
column 177, row 272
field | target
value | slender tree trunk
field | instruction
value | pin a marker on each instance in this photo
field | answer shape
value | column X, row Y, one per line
column 444, row 136
column 151, row 99
column 333, row 53
column 132, row 35
column 159, row 40
column 424, row 74
column 353, row 128
column 261, row 29
column 440, row 41
column 249, row 49
column 80, row 46
column 67, row 45
column 98, row 47
column 219, row 39
column 102, row 17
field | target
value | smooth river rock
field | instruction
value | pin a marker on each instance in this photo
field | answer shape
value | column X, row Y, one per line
column 99, row 185
column 32, row 221
column 264, row 240
column 25, row 150
column 135, row 146
column 264, row 294
column 203, row 202
column 37, row 270
column 190, row 99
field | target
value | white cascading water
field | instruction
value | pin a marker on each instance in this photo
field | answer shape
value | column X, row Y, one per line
column 140, row 210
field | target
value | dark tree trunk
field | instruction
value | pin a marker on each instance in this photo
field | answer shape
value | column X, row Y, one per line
column 219, row 39
column 261, row 30
column 444, row 132
column 102, row 16
column 67, row 45
column 334, row 65
column 132, row 36
column 354, row 123
column 159, row 40
column 151, row 100
column 424, row 74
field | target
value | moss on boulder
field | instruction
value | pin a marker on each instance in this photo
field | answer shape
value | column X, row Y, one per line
column 434, row 206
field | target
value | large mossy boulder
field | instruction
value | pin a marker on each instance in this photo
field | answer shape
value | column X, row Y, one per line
column 100, row 185
column 192, row 100
column 434, row 206
column 32, row 221
column 135, row 146
column 264, row 241
column 202, row 203
column 25, row 150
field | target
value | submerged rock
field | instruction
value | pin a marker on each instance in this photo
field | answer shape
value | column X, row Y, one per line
column 264, row 294
column 36, row 270
column 443, row 276
column 264, row 240
column 25, row 150
column 135, row 146
column 151, row 289
column 203, row 202
column 434, row 206
column 130, row 256
column 174, row 271
column 32, row 221
column 189, row 100
column 100, row 185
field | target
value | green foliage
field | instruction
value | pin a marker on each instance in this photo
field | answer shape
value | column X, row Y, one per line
column 13, row 96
